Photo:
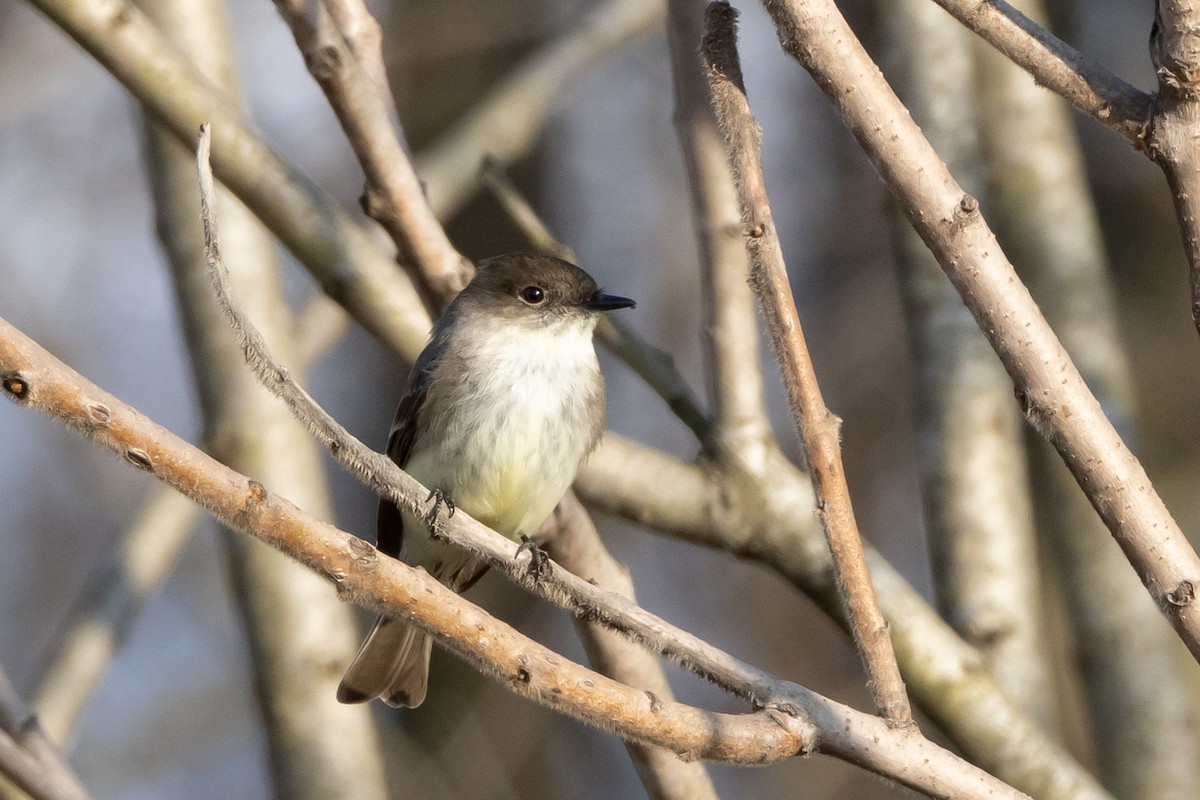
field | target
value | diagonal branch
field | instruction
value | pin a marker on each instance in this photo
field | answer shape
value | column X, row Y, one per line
column 818, row 427
column 1052, row 394
column 394, row 196
column 1081, row 81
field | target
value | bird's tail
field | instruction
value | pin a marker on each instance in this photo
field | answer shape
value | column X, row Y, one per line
column 393, row 664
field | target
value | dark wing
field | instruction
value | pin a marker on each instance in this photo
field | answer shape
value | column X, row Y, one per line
column 389, row 525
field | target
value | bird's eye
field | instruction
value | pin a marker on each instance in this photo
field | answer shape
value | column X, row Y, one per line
column 533, row 295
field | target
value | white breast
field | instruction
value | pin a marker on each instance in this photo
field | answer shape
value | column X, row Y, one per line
column 520, row 428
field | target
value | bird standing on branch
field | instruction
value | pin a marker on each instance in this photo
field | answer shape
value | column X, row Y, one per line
column 501, row 409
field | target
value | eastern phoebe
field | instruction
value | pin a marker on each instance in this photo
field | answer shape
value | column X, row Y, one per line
column 501, row 409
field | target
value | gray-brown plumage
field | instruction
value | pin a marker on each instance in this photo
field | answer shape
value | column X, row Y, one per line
column 501, row 409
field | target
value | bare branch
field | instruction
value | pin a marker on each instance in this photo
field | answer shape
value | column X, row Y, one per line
column 577, row 546
column 1084, row 83
column 28, row 757
column 364, row 37
column 771, row 520
column 1142, row 714
column 1049, row 388
column 340, row 254
column 394, row 197
column 505, row 124
column 974, row 476
column 730, row 324
column 1172, row 144
column 818, row 427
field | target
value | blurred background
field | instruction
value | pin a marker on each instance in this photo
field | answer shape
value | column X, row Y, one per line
column 81, row 272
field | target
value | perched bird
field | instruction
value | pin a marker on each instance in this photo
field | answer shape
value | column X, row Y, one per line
column 500, row 411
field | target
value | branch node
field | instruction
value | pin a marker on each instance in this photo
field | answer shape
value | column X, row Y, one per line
column 1182, row 595
column 324, row 62
column 365, row 556
column 16, row 386
column 256, row 491
column 139, row 458
column 968, row 206
column 98, row 413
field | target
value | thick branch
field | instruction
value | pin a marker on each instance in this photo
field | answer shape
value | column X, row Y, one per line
column 1049, row 388
column 817, row 426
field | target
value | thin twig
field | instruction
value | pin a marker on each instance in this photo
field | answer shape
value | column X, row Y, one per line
column 818, row 428
column 1052, row 394
column 394, row 196
column 561, row 587
column 1083, row 82
column 27, row 756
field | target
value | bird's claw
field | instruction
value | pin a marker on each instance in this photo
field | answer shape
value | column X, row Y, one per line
column 539, row 562
column 439, row 499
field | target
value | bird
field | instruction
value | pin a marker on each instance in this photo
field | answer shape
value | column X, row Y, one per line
column 500, row 411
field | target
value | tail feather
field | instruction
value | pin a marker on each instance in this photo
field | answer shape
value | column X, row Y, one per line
column 393, row 664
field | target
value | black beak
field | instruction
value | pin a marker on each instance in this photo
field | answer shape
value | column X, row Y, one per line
column 607, row 302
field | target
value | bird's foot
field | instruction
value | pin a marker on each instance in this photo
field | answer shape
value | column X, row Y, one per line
column 539, row 562
column 439, row 498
